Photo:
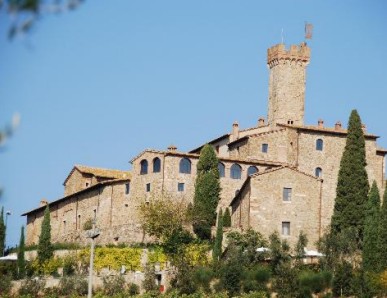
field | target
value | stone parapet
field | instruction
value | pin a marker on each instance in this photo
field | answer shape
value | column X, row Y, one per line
column 278, row 52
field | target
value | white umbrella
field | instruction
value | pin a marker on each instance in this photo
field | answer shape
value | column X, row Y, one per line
column 9, row 258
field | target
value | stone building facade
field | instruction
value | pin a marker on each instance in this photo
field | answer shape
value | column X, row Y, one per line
column 258, row 167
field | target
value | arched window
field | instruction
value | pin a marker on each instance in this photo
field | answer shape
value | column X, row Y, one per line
column 156, row 165
column 144, row 167
column 185, row 166
column 221, row 169
column 319, row 145
column 236, row 171
column 318, row 172
column 252, row 170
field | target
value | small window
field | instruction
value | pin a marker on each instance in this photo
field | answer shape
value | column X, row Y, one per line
column 287, row 194
column 127, row 188
column 156, row 165
column 285, row 228
column 144, row 167
column 252, row 170
column 180, row 187
column 221, row 169
column 148, row 187
column 87, row 184
column 290, row 122
column 265, row 148
column 185, row 166
column 319, row 145
column 236, row 171
column 318, row 172
column 79, row 222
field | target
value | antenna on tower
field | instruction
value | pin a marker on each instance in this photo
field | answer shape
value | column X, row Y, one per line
column 308, row 30
column 282, row 35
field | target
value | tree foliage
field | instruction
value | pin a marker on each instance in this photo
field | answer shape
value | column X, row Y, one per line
column 21, row 264
column 371, row 231
column 45, row 249
column 217, row 250
column 227, row 218
column 207, row 191
column 352, row 185
column 382, row 240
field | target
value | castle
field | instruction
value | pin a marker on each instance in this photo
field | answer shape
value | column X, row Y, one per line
column 280, row 175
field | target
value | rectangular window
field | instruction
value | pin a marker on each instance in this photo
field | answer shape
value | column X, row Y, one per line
column 180, row 187
column 265, row 148
column 87, row 184
column 285, row 228
column 148, row 187
column 287, row 194
column 79, row 222
column 127, row 188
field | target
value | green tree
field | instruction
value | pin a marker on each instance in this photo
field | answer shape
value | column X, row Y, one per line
column 227, row 218
column 302, row 242
column 382, row 240
column 217, row 250
column 207, row 190
column 371, row 230
column 21, row 264
column 2, row 231
column 352, row 185
column 45, row 248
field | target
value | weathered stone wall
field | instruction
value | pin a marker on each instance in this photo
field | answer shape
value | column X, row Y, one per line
column 265, row 208
column 77, row 182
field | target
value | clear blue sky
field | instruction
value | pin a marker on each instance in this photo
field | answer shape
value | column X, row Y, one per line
column 98, row 85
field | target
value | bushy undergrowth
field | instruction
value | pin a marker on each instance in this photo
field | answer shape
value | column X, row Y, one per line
column 31, row 287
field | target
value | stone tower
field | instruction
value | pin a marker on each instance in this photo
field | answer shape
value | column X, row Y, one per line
column 287, row 83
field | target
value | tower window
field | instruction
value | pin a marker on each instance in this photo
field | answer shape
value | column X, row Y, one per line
column 318, row 172
column 319, row 145
column 221, row 169
column 287, row 194
column 252, row 170
column 148, row 187
column 185, row 166
column 180, row 187
column 265, row 148
column 236, row 171
column 290, row 122
column 285, row 228
column 144, row 167
column 127, row 188
column 156, row 165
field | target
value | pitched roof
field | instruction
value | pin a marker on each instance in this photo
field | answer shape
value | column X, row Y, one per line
column 99, row 172
column 210, row 142
column 91, row 188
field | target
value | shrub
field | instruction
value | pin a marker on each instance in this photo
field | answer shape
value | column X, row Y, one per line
column 5, row 284
column 113, row 285
column 133, row 290
column 88, row 225
column 74, row 285
column 69, row 265
column 32, row 287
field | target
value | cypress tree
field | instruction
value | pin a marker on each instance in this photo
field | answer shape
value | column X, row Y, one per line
column 227, row 219
column 2, row 232
column 371, row 229
column 382, row 240
column 217, row 250
column 45, row 249
column 352, row 184
column 21, row 264
column 207, row 190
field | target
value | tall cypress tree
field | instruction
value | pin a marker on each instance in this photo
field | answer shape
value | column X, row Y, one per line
column 227, row 218
column 371, row 230
column 2, row 232
column 21, row 263
column 352, row 184
column 382, row 240
column 207, row 190
column 45, row 249
column 217, row 250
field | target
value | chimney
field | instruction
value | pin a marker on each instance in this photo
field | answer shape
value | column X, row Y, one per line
column 364, row 128
column 338, row 125
column 43, row 202
column 172, row 148
column 261, row 122
column 235, row 131
column 320, row 123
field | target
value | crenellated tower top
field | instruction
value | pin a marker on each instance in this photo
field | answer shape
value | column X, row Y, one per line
column 287, row 83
